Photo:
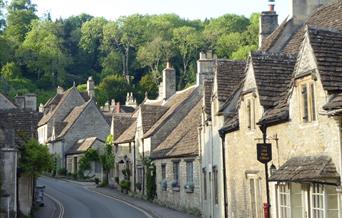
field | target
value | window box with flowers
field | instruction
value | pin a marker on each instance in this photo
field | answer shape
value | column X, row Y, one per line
column 175, row 186
column 163, row 185
column 189, row 188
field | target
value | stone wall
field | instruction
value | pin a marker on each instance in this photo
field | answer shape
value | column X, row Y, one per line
column 8, row 166
column 25, row 191
column 91, row 123
column 179, row 199
column 289, row 139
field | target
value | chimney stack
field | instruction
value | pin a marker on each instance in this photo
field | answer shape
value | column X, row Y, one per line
column 300, row 10
column 169, row 82
column 130, row 100
column 91, row 87
column 268, row 22
column 117, row 108
column 205, row 67
column 60, row 90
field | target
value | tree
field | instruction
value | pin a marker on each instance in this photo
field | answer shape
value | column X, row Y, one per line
column 130, row 34
column 2, row 16
column 152, row 53
column 227, row 44
column 35, row 159
column 107, row 159
column 10, row 71
column 149, row 84
column 20, row 15
column 44, row 54
column 91, row 40
column 115, row 87
column 188, row 42
column 223, row 25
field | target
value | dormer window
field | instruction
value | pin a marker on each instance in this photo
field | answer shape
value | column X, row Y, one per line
column 250, row 112
column 308, row 102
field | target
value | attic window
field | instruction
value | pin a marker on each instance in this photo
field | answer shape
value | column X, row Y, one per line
column 250, row 110
column 308, row 102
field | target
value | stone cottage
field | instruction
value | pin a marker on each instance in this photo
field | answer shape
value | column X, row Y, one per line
column 178, row 164
column 17, row 125
column 77, row 151
column 71, row 116
column 224, row 76
column 288, row 96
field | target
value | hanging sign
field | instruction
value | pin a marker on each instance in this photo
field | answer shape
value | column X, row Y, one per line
column 264, row 152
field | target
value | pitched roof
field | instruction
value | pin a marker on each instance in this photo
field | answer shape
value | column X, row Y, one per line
column 72, row 117
column 334, row 103
column 228, row 75
column 169, row 108
column 327, row 48
column 307, row 169
column 231, row 123
column 128, row 135
column 24, row 122
column 273, row 73
column 183, row 140
column 6, row 103
column 208, row 91
column 329, row 16
column 270, row 40
column 52, row 106
column 121, row 122
column 82, row 145
column 150, row 114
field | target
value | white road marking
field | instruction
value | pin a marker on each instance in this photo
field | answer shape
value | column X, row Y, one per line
column 60, row 205
column 125, row 202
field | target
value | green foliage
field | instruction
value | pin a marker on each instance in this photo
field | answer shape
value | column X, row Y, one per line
column 90, row 155
column 107, row 158
column 115, row 87
column 10, row 71
column 20, row 15
column 149, row 84
column 43, row 52
column 150, row 178
column 35, row 159
column 124, row 55
column 125, row 184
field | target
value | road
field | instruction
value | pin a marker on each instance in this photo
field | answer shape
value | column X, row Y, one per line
column 78, row 202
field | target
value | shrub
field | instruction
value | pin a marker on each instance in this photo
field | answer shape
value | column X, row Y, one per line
column 97, row 181
column 62, row 171
column 125, row 184
column 138, row 186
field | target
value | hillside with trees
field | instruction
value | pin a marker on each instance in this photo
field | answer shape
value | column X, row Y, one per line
column 128, row 54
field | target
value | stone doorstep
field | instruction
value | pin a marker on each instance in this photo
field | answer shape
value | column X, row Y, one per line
column 155, row 210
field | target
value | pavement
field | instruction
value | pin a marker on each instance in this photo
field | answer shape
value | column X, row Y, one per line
column 49, row 210
column 154, row 209
column 110, row 195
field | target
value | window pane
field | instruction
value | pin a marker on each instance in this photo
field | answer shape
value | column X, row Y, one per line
column 313, row 109
column 305, row 102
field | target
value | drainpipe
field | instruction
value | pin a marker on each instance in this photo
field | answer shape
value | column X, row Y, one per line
column 223, row 137
column 143, row 174
column 134, row 168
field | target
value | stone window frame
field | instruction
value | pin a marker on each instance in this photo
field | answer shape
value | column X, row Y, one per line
column 306, row 84
column 176, row 171
column 249, row 97
column 215, row 183
column 163, row 171
column 205, row 188
column 253, row 176
column 189, row 173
